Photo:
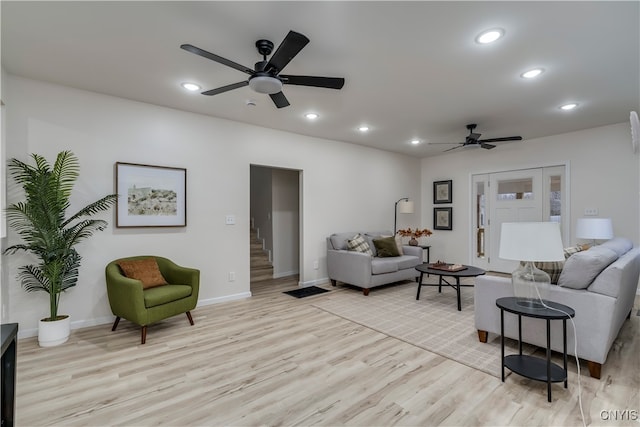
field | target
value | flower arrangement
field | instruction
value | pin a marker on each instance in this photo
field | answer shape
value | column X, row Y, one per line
column 415, row 234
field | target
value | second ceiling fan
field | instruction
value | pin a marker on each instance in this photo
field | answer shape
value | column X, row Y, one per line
column 473, row 140
column 265, row 77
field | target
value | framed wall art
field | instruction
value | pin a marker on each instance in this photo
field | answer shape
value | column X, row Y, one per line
column 443, row 218
column 150, row 196
column 442, row 192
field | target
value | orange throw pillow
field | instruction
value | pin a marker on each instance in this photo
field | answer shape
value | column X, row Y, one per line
column 146, row 270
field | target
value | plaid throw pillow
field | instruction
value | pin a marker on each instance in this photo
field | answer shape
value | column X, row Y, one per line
column 572, row 250
column 554, row 268
column 359, row 244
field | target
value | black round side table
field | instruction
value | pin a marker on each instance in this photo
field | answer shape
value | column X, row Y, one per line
column 533, row 367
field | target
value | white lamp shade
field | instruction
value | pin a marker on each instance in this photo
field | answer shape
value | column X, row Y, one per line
column 594, row 228
column 406, row 206
column 531, row 241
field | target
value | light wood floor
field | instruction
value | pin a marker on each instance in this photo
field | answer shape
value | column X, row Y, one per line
column 276, row 360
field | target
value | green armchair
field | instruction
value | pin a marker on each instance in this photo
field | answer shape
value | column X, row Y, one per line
column 128, row 299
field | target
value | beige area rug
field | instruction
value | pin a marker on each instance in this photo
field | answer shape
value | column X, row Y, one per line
column 432, row 323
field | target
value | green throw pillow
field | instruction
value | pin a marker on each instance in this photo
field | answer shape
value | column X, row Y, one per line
column 386, row 247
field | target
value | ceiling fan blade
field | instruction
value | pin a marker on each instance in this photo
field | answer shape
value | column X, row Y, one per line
column 290, row 47
column 216, row 58
column 508, row 138
column 279, row 99
column 326, row 82
column 226, row 88
column 452, row 148
column 487, row 146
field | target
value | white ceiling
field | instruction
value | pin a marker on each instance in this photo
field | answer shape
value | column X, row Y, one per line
column 412, row 69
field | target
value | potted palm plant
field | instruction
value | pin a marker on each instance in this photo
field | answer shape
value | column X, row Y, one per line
column 49, row 235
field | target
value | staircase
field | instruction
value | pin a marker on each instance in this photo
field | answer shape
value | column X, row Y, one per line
column 261, row 268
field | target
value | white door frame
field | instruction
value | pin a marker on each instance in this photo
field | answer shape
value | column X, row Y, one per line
column 564, row 168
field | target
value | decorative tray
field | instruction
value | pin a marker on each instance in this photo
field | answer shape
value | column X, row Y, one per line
column 447, row 267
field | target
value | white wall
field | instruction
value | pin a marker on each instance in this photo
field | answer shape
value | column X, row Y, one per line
column 604, row 174
column 102, row 130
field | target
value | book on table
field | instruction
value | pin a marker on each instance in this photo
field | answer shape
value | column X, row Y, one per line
column 447, row 267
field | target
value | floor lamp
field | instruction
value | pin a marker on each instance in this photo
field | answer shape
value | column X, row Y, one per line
column 406, row 207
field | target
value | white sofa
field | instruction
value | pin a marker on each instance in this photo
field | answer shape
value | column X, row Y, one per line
column 600, row 284
column 366, row 271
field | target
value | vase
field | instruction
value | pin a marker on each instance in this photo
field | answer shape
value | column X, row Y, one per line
column 55, row 332
column 413, row 241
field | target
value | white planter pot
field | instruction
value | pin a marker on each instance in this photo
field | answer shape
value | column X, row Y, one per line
column 54, row 332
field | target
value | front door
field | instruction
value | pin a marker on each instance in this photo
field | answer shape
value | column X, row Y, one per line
column 515, row 196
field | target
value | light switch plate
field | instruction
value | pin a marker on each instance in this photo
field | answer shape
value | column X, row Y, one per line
column 230, row 220
column 591, row 211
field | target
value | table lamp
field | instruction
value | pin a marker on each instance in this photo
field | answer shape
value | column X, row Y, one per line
column 530, row 242
column 406, row 207
column 594, row 228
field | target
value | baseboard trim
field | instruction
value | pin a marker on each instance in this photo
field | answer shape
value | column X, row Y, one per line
column 79, row 324
column 315, row 282
column 218, row 300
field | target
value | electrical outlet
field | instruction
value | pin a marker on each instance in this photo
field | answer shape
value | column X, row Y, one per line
column 315, row 264
column 230, row 220
column 590, row 211
column 232, row 276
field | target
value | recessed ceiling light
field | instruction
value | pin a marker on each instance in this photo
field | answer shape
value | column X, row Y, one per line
column 490, row 36
column 363, row 128
column 568, row 107
column 532, row 73
column 311, row 116
column 415, row 141
column 190, row 86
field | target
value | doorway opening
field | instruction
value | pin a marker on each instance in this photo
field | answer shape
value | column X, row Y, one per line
column 275, row 223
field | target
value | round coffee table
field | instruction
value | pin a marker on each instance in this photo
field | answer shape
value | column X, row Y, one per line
column 468, row 271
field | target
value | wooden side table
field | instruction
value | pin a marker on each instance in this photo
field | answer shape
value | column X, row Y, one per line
column 428, row 249
column 533, row 367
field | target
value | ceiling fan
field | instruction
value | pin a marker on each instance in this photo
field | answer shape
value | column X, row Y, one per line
column 266, row 77
column 473, row 140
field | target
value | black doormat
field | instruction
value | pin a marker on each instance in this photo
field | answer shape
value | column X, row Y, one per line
column 306, row 292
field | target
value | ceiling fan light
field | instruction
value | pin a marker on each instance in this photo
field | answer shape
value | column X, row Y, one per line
column 265, row 84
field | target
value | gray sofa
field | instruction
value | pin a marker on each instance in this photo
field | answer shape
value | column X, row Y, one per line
column 366, row 271
column 600, row 284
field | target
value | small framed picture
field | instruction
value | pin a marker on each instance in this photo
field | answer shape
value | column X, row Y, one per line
column 150, row 196
column 442, row 192
column 443, row 218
